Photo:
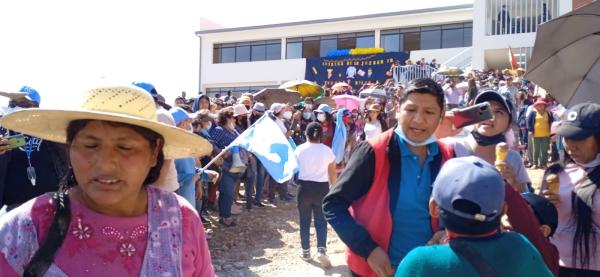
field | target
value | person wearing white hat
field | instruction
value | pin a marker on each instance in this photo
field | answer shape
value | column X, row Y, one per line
column 29, row 170
column 105, row 220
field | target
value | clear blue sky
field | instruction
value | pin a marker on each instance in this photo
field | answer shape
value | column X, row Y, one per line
column 63, row 47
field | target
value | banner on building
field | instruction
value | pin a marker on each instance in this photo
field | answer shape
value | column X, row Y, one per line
column 355, row 70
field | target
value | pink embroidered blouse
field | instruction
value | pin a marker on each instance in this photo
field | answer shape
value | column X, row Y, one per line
column 101, row 245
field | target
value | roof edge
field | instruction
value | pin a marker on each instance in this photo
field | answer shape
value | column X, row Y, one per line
column 327, row 20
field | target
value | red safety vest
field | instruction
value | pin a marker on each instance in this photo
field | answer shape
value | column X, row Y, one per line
column 372, row 211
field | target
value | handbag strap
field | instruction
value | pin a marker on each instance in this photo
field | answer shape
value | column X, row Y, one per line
column 481, row 266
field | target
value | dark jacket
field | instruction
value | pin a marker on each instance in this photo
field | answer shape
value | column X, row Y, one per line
column 58, row 166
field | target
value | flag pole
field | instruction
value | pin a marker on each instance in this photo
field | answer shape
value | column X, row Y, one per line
column 230, row 145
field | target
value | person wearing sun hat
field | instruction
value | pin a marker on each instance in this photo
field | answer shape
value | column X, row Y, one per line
column 539, row 122
column 32, row 169
column 468, row 197
column 577, row 198
column 104, row 207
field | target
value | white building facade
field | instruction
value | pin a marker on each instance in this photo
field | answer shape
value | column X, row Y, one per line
column 247, row 59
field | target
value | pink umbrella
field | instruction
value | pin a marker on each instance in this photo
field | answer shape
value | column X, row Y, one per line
column 349, row 102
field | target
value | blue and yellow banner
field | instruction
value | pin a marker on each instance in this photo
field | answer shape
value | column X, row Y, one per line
column 355, row 70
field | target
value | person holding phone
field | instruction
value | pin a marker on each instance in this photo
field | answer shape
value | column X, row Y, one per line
column 487, row 134
column 29, row 170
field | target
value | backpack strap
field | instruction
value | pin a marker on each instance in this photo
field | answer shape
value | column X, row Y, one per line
column 481, row 266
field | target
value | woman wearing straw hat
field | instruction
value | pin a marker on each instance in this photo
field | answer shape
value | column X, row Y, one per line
column 105, row 220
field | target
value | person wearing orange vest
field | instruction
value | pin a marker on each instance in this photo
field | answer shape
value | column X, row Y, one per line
column 379, row 206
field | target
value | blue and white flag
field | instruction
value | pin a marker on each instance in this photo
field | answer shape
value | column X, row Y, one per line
column 266, row 141
column 338, row 145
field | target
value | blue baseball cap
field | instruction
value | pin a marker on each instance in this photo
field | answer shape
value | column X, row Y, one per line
column 32, row 94
column 179, row 115
column 474, row 180
column 147, row 87
column 581, row 121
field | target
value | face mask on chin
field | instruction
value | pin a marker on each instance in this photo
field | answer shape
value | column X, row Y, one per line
column 592, row 164
column 403, row 136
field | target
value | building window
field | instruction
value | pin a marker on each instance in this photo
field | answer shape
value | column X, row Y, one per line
column 235, row 91
column 365, row 40
column 427, row 37
column 247, row 51
column 327, row 45
column 273, row 49
column 294, row 50
column 242, row 53
column 319, row 46
column 412, row 41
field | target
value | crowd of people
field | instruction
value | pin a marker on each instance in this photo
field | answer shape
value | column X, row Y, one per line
column 407, row 192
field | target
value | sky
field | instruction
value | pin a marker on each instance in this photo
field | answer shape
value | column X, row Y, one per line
column 63, row 47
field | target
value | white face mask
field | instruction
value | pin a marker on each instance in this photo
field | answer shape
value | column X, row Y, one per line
column 321, row 117
column 593, row 163
column 287, row 115
column 427, row 141
column 208, row 126
column 232, row 126
column 308, row 106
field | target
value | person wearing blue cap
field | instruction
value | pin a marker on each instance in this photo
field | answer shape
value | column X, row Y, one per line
column 468, row 197
column 32, row 169
column 576, row 197
column 324, row 117
column 168, row 173
column 186, row 167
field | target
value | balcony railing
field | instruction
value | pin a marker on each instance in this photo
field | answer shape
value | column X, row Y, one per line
column 504, row 17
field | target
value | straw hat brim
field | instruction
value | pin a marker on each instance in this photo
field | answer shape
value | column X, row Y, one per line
column 52, row 125
column 13, row 95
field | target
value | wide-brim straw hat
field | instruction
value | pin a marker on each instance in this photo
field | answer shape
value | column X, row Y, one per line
column 123, row 104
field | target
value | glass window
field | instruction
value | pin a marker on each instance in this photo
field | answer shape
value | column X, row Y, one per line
column 311, row 49
column 259, row 52
column 228, row 54
column 294, row 50
column 468, row 36
column 412, row 41
column 365, row 42
column 431, row 39
column 327, row 45
column 452, row 38
column 391, row 43
column 274, row 51
column 346, row 43
column 242, row 53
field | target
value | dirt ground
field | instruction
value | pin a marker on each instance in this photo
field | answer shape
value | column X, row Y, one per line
column 266, row 242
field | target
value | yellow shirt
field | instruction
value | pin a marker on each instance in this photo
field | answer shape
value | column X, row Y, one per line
column 541, row 127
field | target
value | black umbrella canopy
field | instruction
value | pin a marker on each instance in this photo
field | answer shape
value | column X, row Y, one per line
column 566, row 56
column 269, row 96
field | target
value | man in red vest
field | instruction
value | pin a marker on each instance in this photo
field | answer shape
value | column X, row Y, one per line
column 379, row 206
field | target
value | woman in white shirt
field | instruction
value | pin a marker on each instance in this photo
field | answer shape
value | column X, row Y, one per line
column 374, row 124
column 317, row 173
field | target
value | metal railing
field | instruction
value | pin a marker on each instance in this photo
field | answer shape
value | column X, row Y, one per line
column 406, row 73
column 504, row 17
